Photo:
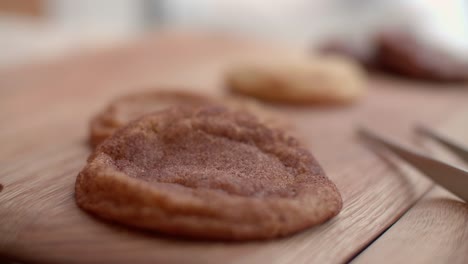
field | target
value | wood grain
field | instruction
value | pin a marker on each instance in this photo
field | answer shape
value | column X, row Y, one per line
column 47, row 108
column 435, row 229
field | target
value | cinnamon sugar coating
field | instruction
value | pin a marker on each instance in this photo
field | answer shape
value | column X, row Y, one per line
column 206, row 172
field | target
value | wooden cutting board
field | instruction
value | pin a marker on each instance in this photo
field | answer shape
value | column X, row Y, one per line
column 45, row 109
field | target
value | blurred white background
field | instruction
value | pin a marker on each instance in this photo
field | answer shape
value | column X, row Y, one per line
column 38, row 29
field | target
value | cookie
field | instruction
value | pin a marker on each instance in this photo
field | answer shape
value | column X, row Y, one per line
column 207, row 173
column 127, row 108
column 404, row 54
column 321, row 79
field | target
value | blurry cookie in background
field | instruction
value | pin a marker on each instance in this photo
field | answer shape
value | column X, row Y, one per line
column 132, row 106
column 402, row 53
column 299, row 79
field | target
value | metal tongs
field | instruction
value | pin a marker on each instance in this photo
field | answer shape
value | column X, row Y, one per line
column 450, row 177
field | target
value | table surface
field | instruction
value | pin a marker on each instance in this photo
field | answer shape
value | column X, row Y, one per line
column 391, row 213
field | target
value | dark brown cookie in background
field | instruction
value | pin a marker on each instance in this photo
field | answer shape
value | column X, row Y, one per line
column 403, row 53
column 208, row 173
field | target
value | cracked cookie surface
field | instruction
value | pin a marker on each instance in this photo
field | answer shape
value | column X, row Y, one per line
column 206, row 172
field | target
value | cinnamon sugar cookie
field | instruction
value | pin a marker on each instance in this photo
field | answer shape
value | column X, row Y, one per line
column 207, row 173
column 127, row 108
column 321, row 79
